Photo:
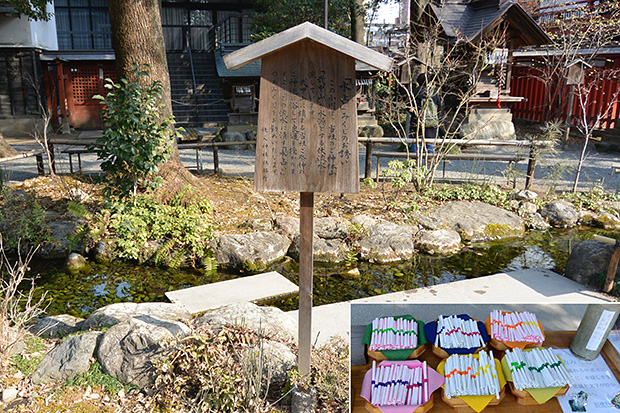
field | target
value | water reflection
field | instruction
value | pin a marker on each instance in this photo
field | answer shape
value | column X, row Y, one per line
column 80, row 294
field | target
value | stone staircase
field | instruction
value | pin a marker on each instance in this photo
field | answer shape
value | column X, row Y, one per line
column 207, row 106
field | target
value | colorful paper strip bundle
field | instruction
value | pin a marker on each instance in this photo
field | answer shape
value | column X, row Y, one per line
column 536, row 369
column 467, row 375
column 455, row 332
column 516, row 327
column 389, row 333
column 398, row 385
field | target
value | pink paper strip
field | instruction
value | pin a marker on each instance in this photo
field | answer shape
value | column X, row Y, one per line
column 435, row 381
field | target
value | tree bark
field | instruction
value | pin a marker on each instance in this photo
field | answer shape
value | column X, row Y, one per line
column 137, row 36
column 357, row 21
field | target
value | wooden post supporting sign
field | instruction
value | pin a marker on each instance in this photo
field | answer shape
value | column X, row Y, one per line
column 307, row 130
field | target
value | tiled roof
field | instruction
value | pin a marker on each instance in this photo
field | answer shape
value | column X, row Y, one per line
column 249, row 70
column 466, row 20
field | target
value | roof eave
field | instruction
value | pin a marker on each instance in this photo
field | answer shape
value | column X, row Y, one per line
column 311, row 32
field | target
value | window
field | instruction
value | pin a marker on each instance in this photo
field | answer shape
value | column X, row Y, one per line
column 83, row 25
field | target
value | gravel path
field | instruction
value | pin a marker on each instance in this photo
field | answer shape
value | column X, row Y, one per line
column 552, row 171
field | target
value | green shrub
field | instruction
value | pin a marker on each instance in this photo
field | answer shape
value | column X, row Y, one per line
column 489, row 194
column 596, row 199
column 137, row 138
column 22, row 222
column 181, row 227
column 95, row 377
column 29, row 359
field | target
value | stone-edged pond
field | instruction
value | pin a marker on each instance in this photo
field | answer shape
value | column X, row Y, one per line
column 79, row 294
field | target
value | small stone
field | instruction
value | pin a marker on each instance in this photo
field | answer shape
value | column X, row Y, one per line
column 353, row 272
column 527, row 208
column 76, row 263
column 77, row 195
column 526, row 195
column 365, row 221
column 8, row 395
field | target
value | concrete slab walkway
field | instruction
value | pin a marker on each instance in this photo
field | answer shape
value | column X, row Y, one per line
column 253, row 288
column 531, row 286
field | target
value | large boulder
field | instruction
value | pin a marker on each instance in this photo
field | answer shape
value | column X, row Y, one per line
column 128, row 349
column 276, row 358
column 104, row 251
column 477, row 221
column 607, row 221
column 439, row 241
column 258, row 224
column 589, row 258
column 287, row 226
column 323, row 250
column 70, row 358
column 119, row 312
column 250, row 253
column 428, row 222
column 56, row 325
column 60, row 231
column 388, row 242
column 363, row 221
column 560, row 214
column 536, row 221
column 270, row 321
column 330, row 228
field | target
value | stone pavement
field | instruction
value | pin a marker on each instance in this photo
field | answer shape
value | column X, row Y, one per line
column 597, row 167
column 561, row 302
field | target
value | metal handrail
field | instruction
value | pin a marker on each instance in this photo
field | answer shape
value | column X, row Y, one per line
column 188, row 46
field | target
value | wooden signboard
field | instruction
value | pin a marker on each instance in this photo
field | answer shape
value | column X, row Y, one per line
column 307, row 130
column 307, row 117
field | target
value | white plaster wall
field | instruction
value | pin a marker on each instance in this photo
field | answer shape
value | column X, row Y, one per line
column 44, row 33
column 15, row 31
column 22, row 32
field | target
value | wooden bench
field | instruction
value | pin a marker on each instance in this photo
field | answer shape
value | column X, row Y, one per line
column 76, row 150
column 447, row 143
column 451, row 156
column 198, row 146
column 36, row 153
column 79, row 147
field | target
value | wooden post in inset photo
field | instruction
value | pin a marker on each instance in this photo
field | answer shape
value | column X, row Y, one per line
column 307, row 130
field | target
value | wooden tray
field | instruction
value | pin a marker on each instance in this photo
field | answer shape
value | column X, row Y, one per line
column 525, row 399
column 421, row 409
column 612, row 353
column 378, row 356
column 441, row 353
column 499, row 345
column 459, row 403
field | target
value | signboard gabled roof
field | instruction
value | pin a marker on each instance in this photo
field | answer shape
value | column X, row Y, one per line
column 312, row 32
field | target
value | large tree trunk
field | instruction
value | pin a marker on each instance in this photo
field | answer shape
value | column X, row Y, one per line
column 357, row 21
column 137, row 36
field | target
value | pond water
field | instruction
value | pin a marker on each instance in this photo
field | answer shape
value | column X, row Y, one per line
column 80, row 294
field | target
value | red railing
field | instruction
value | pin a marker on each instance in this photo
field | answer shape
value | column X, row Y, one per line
column 526, row 83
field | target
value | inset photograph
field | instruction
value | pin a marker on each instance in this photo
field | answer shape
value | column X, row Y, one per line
column 485, row 357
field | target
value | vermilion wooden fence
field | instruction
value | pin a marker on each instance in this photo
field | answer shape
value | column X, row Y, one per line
column 524, row 83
